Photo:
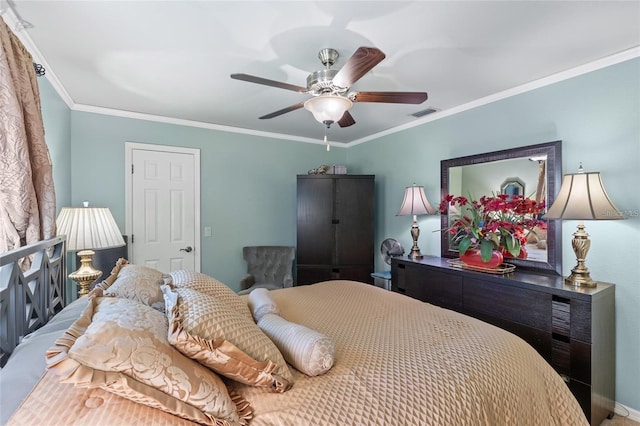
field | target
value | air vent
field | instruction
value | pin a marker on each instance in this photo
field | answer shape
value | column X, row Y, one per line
column 424, row 112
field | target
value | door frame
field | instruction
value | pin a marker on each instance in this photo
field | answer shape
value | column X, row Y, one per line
column 129, row 148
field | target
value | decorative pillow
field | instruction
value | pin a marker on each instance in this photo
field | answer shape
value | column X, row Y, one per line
column 211, row 286
column 134, row 282
column 204, row 328
column 309, row 351
column 261, row 303
column 106, row 283
column 121, row 346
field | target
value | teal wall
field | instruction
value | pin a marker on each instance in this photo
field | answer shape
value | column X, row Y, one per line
column 248, row 183
column 56, row 116
column 597, row 116
column 57, row 124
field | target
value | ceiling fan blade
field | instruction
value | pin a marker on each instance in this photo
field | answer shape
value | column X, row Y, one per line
column 282, row 111
column 346, row 120
column 390, row 97
column 267, row 82
column 362, row 61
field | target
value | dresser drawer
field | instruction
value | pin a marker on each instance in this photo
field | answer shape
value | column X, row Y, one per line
column 530, row 308
column 540, row 340
column 582, row 392
column 438, row 288
column 581, row 322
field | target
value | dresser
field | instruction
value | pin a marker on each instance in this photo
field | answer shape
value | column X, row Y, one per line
column 335, row 228
column 572, row 328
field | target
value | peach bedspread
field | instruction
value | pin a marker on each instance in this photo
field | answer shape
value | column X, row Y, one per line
column 398, row 362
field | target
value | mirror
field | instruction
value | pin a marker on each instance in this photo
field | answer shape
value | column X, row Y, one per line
column 533, row 171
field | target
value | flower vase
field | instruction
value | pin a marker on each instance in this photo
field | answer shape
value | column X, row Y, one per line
column 522, row 255
column 473, row 258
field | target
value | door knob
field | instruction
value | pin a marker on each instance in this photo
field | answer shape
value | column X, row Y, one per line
column 188, row 249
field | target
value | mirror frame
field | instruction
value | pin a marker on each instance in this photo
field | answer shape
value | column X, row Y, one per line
column 553, row 151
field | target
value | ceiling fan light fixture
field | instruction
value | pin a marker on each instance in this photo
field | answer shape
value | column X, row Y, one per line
column 328, row 107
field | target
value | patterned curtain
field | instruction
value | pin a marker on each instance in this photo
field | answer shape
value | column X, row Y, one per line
column 27, row 195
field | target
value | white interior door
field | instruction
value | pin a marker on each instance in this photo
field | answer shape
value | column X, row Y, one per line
column 164, row 207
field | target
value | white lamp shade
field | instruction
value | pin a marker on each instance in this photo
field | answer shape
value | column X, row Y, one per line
column 583, row 197
column 415, row 202
column 89, row 228
column 329, row 108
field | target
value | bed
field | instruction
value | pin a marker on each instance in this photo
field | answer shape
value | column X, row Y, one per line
column 396, row 361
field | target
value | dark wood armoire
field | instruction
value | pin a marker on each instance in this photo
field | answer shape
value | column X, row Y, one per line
column 335, row 228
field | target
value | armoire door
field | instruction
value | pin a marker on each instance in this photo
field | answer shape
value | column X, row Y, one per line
column 353, row 216
column 315, row 230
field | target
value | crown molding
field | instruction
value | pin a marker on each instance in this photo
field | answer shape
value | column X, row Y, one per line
column 190, row 123
column 15, row 22
column 614, row 59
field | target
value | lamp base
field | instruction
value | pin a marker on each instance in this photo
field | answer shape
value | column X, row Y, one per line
column 580, row 276
column 580, row 280
column 415, row 233
column 415, row 253
column 86, row 273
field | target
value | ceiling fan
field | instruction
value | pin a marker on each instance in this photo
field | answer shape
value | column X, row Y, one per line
column 332, row 99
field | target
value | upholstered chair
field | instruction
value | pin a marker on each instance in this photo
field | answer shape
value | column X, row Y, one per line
column 268, row 267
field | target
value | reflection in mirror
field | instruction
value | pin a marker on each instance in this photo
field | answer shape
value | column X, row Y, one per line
column 514, row 186
column 531, row 172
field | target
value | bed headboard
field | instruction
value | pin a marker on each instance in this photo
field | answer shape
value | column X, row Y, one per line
column 32, row 290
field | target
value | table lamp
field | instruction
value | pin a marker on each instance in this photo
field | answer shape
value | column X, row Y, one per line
column 415, row 202
column 582, row 197
column 88, row 229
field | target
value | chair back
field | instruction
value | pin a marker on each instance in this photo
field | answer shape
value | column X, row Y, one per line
column 270, row 264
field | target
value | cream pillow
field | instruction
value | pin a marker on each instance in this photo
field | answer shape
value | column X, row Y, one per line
column 121, row 346
column 204, row 328
column 309, row 351
column 211, row 286
column 261, row 303
column 134, row 282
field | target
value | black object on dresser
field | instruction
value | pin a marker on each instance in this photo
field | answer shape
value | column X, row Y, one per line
column 105, row 259
column 573, row 329
column 335, row 228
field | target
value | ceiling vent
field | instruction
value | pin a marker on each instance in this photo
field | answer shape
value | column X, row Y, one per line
column 424, row 112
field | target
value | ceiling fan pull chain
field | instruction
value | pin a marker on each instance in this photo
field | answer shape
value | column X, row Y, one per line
column 326, row 140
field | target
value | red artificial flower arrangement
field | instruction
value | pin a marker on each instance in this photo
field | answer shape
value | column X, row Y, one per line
column 500, row 222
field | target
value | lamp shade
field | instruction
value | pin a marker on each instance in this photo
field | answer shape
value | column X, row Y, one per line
column 89, row 228
column 328, row 108
column 583, row 197
column 415, row 202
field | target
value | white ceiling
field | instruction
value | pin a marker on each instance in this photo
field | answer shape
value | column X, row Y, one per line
column 171, row 60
